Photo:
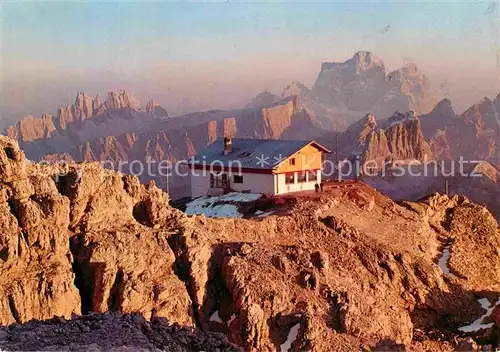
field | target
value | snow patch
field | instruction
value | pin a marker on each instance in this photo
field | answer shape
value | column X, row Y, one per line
column 240, row 197
column 443, row 262
column 262, row 214
column 292, row 336
column 214, row 207
column 215, row 317
column 477, row 325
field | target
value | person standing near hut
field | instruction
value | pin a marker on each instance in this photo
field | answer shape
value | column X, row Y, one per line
column 316, row 187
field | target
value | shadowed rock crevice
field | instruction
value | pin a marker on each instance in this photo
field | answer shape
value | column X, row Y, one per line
column 43, row 202
column 66, row 183
column 13, row 310
column 114, row 300
column 10, row 153
column 447, row 219
column 182, row 268
column 140, row 214
column 84, row 276
column 14, row 209
column 4, row 254
column 217, row 296
column 338, row 305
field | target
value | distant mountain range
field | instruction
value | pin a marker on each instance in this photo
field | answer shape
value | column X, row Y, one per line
column 440, row 136
column 118, row 128
column 344, row 91
column 473, row 135
column 121, row 130
column 85, row 120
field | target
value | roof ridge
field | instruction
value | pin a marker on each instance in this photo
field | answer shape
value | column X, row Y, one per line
column 266, row 139
column 253, row 152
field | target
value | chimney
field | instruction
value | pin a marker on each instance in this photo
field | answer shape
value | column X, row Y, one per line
column 227, row 145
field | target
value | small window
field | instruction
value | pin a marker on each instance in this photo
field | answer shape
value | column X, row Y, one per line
column 290, row 178
column 238, row 178
column 312, row 176
column 302, row 177
column 292, row 161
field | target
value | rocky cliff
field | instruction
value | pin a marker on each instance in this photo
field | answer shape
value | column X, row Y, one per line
column 465, row 150
column 479, row 181
column 474, row 135
column 409, row 85
column 346, row 90
column 347, row 270
column 264, row 99
column 56, row 235
column 398, row 139
column 441, row 117
column 180, row 137
column 86, row 119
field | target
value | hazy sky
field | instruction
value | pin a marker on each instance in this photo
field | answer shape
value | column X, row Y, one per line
column 221, row 54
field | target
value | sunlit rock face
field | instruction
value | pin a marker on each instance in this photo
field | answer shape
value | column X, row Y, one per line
column 344, row 91
column 474, row 135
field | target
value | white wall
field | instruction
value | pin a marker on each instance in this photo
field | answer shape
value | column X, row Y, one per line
column 283, row 187
column 200, row 183
column 256, row 183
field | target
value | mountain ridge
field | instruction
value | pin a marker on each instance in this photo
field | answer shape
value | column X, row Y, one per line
column 343, row 91
column 350, row 269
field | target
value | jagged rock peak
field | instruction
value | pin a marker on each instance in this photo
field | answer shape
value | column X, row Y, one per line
column 403, row 115
column 97, row 101
column 444, row 106
column 408, row 71
column 357, row 133
column 296, row 88
column 121, row 99
column 485, row 100
column 295, row 85
column 370, row 119
column 264, row 98
column 408, row 114
column 398, row 117
column 362, row 61
column 81, row 96
column 366, row 60
column 153, row 108
column 410, row 67
column 295, row 99
column 444, row 103
column 150, row 105
column 84, row 104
